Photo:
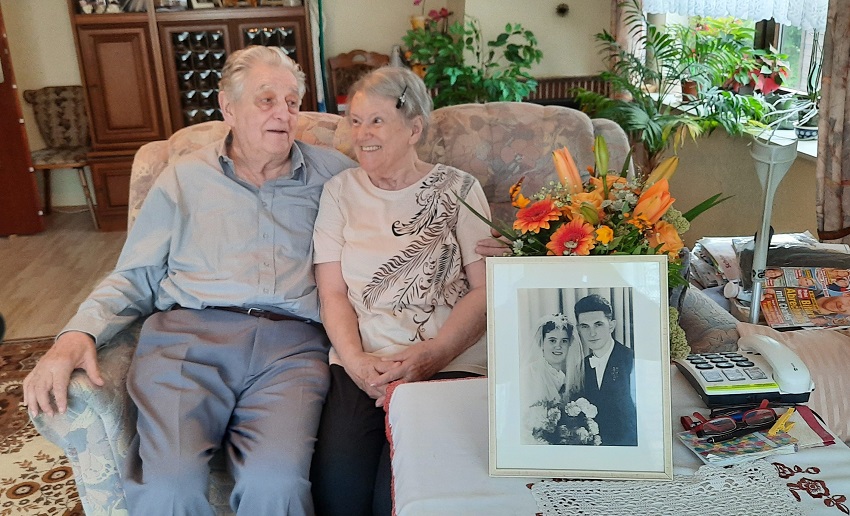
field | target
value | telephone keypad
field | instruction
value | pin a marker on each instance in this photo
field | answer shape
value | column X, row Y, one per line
column 729, row 362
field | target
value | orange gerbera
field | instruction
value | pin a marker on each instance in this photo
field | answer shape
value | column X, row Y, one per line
column 667, row 237
column 572, row 239
column 537, row 216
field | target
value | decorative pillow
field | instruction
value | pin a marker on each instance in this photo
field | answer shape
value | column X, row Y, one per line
column 827, row 355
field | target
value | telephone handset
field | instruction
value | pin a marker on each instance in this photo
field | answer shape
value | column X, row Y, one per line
column 762, row 368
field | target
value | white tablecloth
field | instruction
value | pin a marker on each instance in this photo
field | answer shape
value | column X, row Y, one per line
column 440, row 455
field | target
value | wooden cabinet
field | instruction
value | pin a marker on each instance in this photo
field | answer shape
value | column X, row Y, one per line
column 117, row 64
column 148, row 74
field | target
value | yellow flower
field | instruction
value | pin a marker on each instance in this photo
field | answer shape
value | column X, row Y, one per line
column 567, row 170
column 537, row 216
column 654, row 202
column 604, row 234
column 667, row 237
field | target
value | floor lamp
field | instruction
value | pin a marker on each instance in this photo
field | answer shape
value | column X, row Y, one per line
column 772, row 163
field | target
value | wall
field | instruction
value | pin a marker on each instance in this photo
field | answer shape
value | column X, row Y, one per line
column 43, row 52
column 722, row 164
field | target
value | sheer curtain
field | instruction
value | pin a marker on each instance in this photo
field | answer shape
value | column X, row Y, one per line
column 807, row 14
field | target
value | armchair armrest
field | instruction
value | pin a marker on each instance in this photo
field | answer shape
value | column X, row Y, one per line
column 96, row 429
column 707, row 325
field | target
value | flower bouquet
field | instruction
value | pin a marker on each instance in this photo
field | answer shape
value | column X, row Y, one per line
column 568, row 423
column 606, row 213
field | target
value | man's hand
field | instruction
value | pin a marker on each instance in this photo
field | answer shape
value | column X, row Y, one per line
column 496, row 246
column 52, row 374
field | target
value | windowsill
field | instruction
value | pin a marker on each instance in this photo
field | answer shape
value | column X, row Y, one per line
column 808, row 149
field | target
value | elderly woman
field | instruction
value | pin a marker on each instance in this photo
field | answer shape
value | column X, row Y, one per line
column 401, row 287
column 554, row 372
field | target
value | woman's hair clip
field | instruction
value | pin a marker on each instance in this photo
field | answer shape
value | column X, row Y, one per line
column 401, row 98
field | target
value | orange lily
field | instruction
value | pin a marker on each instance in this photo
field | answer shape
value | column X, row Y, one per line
column 567, row 170
column 517, row 199
column 654, row 202
column 667, row 237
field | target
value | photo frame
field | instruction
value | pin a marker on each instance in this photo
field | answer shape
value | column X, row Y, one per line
column 543, row 392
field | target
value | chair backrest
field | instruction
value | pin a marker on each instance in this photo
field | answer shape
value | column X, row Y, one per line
column 60, row 114
column 345, row 69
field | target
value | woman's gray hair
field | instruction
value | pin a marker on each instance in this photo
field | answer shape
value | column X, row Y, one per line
column 401, row 85
column 240, row 62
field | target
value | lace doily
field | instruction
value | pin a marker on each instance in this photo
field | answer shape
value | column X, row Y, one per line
column 743, row 489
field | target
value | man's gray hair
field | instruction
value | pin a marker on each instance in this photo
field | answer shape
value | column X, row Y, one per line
column 240, row 62
column 401, row 85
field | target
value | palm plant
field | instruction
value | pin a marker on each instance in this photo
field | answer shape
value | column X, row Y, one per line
column 644, row 81
column 640, row 82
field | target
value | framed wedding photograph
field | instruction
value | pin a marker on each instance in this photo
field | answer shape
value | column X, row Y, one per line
column 579, row 367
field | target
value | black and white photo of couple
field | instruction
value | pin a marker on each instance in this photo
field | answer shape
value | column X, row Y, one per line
column 577, row 380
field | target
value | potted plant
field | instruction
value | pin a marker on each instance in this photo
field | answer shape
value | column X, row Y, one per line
column 759, row 70
column 461, row 68
column 707, row 51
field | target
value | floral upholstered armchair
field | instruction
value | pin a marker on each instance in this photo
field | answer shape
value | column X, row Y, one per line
column 496, row 142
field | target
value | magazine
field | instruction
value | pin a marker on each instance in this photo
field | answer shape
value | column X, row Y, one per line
column 742, row 449
column 800, row 297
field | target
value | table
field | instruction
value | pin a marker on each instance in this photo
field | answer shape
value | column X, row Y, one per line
column 440, row 455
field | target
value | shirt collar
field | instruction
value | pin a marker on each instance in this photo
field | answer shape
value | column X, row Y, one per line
column 296, row 157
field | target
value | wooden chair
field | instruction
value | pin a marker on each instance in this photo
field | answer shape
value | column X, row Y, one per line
column 345, row 69
column 60, row 115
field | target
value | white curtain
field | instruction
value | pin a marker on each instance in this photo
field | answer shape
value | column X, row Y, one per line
column 807, row 14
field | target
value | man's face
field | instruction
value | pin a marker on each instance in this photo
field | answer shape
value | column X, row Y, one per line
column 835, row 304
column 595, row 330
column 265, row 116
column 842, row 282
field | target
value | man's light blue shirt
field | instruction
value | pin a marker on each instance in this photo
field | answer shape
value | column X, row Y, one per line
column 204, row 237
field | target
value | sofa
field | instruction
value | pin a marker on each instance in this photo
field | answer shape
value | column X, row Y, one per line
column 496, row 142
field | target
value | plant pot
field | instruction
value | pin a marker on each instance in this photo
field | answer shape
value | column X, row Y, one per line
column 419, row 69
column 690, row 91
column 806, row 132
column 417, row 22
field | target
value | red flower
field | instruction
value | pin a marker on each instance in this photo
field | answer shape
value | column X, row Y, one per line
column 573, row 239
column 537, row 216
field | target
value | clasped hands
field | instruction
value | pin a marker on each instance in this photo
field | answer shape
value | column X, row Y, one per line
column 416, row 363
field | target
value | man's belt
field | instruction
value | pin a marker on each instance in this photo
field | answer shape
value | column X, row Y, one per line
column 253, row 312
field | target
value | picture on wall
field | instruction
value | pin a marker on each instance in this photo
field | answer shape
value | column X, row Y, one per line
column 579, row 369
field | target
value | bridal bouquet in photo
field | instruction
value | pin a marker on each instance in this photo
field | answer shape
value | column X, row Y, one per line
column 568, row 423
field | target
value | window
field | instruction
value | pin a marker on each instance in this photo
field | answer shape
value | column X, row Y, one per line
column 798, row 44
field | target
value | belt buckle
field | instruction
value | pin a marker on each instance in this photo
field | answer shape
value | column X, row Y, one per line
column 257, row 312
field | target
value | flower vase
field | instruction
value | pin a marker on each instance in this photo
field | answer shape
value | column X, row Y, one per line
column 417, row 22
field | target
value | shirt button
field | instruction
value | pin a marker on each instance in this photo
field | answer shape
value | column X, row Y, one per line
column 266, row 236
column 265, row 291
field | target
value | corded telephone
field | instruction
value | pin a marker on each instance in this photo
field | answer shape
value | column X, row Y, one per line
column 762, row 368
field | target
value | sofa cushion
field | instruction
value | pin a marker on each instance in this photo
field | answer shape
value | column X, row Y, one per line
column 827, row 355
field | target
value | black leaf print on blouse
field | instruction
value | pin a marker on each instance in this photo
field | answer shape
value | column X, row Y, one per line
column 419, row 274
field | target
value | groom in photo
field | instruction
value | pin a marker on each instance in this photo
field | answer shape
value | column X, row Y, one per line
column 609, row 381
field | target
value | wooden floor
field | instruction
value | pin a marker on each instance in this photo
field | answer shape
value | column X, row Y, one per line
column 44, row 277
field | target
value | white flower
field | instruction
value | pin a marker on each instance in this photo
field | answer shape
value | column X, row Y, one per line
column 573, row 409
column 583, row 434
column 593, row 427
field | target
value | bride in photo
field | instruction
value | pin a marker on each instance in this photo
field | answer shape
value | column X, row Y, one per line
column 553, row 375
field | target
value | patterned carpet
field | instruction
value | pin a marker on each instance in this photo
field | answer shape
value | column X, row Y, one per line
column 35, row 477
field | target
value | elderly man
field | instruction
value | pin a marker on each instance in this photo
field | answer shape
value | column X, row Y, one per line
column 232, row 355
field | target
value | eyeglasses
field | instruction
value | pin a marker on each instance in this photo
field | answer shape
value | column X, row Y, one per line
column 729, row 426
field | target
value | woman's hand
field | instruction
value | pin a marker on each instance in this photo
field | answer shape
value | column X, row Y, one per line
column 364, row 370
column 414, row 364
column 495, row 246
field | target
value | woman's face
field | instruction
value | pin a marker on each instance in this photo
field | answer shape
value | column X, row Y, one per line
column 383, row 139
column 555, row 345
